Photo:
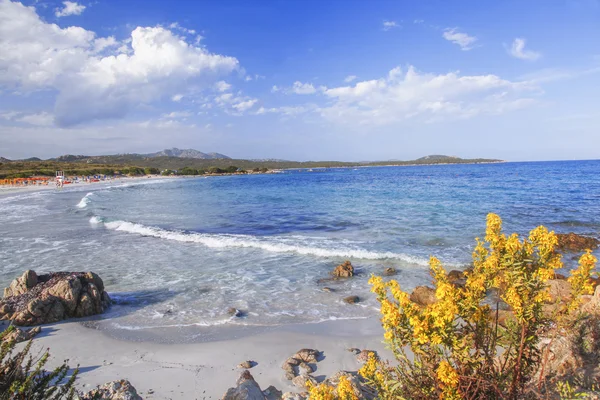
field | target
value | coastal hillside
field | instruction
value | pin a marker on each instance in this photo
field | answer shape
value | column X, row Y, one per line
column 187, row 153
column 80, row 164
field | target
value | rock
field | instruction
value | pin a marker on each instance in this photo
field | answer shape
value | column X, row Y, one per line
column 353, row 350
column 593, row 305
column 351, row 299
column 246, row 389
column 504, row 316
column 457, row 277
column 234, row 312
column 389, row 271
column 22, row 284
column 272, row 393
column 246, row 364
column 117, row 390
column 306, row 367
column 573, row 242
column 19, row 335
column 423, row 296
column 344, row 270
column 328, row 289
column 294, row 396
column 302, row 380
column 364, row 355
column 559, row 290
column 40, row 299
column 307, row 355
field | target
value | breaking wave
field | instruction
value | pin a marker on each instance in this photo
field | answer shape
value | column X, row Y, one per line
column 85, row 201
column 270, row 244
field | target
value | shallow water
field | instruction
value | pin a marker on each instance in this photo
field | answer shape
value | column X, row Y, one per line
column 179, row 253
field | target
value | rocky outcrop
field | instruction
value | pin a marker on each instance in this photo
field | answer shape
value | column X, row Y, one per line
column 117, row 390
column 18, row 335
column 298, row 361
column 246, row 364
column 40, row 299
column 559, row 290
column 344, row 270
column 457, row 278
column 573, row 242
column 359, row 387
column 423, row 296
column 246, row 389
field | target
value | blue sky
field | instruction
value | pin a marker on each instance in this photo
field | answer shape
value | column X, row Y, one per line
column 302, row 80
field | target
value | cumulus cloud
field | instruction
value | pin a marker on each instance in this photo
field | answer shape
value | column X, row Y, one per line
column 387, row 25
column 459, row 38
column 518, row 50
column 303, row 88
column 350, row 78
column 408, row 94
column 222, row 86
column 69, row 8
column 153, row 63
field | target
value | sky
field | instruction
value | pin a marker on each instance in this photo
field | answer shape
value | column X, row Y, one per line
column 302, row 79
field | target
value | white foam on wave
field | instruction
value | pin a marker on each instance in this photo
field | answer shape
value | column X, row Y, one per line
column 85, row 201
column 95, row 220
column 270, row 244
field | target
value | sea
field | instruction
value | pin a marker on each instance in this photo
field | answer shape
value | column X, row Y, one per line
column 176, row 254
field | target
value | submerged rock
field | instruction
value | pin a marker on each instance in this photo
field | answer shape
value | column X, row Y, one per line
column 117, row 390
column 40, row 299
column 574, row 243
column 389, row 271
column 351, row 299
column 423, row 296
column 246, row 389
column 344, row 270
column 234, row 312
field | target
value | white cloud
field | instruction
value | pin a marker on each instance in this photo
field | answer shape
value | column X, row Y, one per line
column 69, row 8
column 350, row 78
column 177, row 114
column 222, row 86
column 518, row 51
column 286, row 110
column 460, row 38
column 275, row 89
column 157, row 63
column 418, row 21
column 387, row 25
column 104, row 43
column 410, row 94
column 245, row 105
column 303, row 88
column 177, row 97
column 41, row 119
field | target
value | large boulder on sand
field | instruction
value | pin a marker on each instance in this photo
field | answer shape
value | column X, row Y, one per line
column 423, row 296
column 40, row 299
column 117, row 390
column 344, row 270
column 575, row 243
column 246, row 389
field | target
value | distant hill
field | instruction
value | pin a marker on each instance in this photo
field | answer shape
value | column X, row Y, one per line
column 438, row 158
column 187, row 153
column 3, row 160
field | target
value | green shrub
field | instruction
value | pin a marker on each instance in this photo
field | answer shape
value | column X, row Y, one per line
column 23, row 378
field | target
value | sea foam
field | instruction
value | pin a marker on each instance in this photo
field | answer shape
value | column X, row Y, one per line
column 84, row 201
column 270, row 244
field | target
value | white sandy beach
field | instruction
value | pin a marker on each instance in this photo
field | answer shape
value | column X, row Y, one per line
column 205, row 370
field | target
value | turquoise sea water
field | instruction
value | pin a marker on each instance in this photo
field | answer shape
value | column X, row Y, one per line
column 180, row 252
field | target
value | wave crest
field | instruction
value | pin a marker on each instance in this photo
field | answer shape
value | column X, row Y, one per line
column 84, row 201
column 271, row 244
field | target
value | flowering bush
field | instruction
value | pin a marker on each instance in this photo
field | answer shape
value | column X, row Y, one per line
column 455, row 348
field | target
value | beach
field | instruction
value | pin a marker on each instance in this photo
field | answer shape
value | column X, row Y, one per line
column 205, row 370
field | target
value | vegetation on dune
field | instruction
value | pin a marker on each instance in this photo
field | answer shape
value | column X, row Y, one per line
column 456, row 348
column 23, row 378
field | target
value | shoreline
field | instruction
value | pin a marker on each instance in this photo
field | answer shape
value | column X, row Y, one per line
column 205, row 370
